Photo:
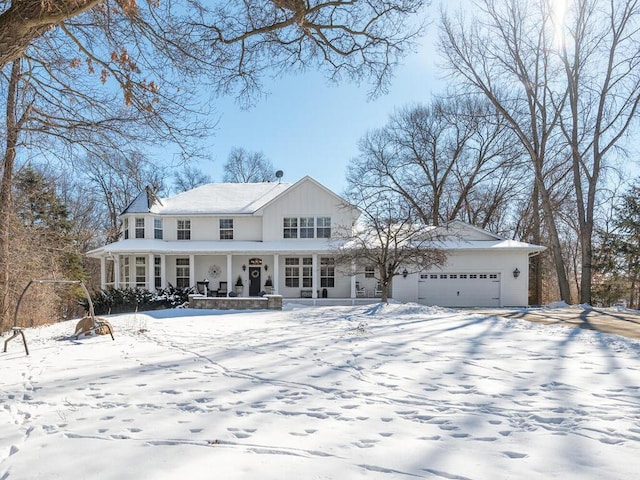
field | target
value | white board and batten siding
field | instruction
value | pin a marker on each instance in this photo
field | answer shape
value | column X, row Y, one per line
column 305, row 199
column 470, row 279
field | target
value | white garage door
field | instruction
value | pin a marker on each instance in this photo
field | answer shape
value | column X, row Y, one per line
column 460, row 289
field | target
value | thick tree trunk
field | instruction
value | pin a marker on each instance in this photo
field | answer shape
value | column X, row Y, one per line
column 554, row 240
column 6, row 204
column 536, row 262
column 27, row 20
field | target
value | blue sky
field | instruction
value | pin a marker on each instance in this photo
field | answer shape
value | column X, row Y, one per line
column 310, row 127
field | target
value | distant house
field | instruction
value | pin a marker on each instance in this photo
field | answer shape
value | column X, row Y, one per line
column 275, row 237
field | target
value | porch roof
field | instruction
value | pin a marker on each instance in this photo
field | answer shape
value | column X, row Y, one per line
column 211, row 247
column 289, row 246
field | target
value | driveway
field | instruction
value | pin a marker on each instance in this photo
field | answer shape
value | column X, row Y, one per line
column 625, row 323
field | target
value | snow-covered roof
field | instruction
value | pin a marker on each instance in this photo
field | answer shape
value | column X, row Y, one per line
column 488, row 245
column 238, row 247
column 221, row 198
column 211, row 247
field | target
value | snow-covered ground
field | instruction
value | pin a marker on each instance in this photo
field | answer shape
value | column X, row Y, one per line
column 375, row 392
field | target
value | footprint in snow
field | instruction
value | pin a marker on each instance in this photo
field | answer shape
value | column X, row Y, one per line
column 510, row 454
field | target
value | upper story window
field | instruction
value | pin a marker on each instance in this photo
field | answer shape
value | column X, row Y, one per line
column 226, row 229
column 369, row 271
column 290, row 227
column 157, row 228
column 324, row 227
column 125, row 228
column 139, row 227
column 306, row 227
column 184, row 230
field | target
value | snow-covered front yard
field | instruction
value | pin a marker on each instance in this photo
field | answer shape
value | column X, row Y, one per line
column 375, row 392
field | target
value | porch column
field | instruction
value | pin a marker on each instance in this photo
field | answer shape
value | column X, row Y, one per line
column 116, row 271
column 150, row 272
column 276, row 273
column 163, row 271
column 230, row 281
column 353, row 280
column 103, row 273
column 192, row 270
column 314, row 276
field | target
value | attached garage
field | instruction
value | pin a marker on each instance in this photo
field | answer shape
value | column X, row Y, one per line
column 482, row 269
column 449, row 289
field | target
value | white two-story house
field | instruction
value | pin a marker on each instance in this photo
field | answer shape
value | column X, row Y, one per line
column 276, row 238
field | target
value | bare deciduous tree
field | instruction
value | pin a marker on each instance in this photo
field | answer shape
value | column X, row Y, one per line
column 189, row 177
column 504, row 56
column 601, row 58
column 243, row 166
column 569, row 86
column 451, row 159
column 388, row 236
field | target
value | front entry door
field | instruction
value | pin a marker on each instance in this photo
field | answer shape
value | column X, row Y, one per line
column 254, row 281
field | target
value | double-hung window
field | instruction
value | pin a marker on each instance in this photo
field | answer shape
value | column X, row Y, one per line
column 141, row 272
column 157, row 272
column 306, row 227
column 324, row 227
column 125, row 228
column 307, row 272
column 139, row 227
column 327, row 272
column 157, row 229
column 290, row 225
column 226, row 229
column 124, row 271
column 292, row 272
column 182, row 272
column 184, row 230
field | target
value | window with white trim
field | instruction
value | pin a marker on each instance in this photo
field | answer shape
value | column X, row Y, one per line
column 157, row 229
column 226, row 229
column 292, row 272
column 369, row 271
column 125, row 228
column 290, row 227
column 157, row 272
column 139, row 227
column 141, row 272
column 306, row 227
column 327, row 272
column 307, row 272
column 182, row 272
column 124, row 271
column 324, row 227
column 184, row 230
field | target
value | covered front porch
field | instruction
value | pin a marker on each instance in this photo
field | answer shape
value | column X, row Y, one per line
column 293, row 275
